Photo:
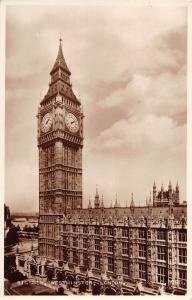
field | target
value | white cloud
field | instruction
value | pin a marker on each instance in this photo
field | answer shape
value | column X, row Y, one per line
column 162, row 94
column 141, row 135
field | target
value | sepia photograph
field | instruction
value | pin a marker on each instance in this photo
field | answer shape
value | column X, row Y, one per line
column 95, row 148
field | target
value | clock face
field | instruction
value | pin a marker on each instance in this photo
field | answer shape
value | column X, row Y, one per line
column 72, row 123
column 46, row 122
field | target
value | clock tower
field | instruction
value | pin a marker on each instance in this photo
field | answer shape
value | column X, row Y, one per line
column 60, row 142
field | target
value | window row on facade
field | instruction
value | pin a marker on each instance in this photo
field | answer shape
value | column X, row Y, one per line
column 161, row 234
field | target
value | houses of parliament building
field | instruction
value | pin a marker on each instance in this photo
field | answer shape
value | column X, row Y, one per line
column 123, row 248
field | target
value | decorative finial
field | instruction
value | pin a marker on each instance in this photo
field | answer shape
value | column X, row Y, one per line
column 60, row 39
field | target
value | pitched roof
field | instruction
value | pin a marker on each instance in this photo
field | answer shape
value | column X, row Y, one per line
column 60, row 61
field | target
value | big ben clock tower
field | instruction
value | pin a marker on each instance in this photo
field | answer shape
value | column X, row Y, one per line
column 60, row 142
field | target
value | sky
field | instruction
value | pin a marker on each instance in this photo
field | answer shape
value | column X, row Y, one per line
column 128, row 65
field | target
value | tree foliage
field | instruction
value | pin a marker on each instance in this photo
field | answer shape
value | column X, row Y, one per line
column 12, row 237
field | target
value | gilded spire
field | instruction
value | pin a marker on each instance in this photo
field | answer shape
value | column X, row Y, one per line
column 60, row 60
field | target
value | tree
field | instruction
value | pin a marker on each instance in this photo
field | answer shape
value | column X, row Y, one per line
column 12, row 237
column 16, row 276
column 9, row 265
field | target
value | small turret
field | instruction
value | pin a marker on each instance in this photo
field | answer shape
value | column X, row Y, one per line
column 170, row 185
column 102, row 203
column 132, row 201
column 116, row 203
column 150, row 199
column 154, row 194
column 89, row 205
column 170, row 191
column 177, row 194
column 162, row 192
column 97, row 201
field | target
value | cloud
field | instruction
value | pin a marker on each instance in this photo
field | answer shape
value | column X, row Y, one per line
column 141, row 135
column 162, row 94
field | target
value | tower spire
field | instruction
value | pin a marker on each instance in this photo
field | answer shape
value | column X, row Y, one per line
column 60, row 60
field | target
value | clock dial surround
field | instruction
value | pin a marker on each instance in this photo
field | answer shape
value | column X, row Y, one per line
column 46, row 122
column 72, row 122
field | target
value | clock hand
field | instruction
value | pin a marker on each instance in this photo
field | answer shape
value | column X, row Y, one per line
column 72, row 122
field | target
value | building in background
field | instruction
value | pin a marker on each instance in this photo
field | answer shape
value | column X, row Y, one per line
column 125, row 249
